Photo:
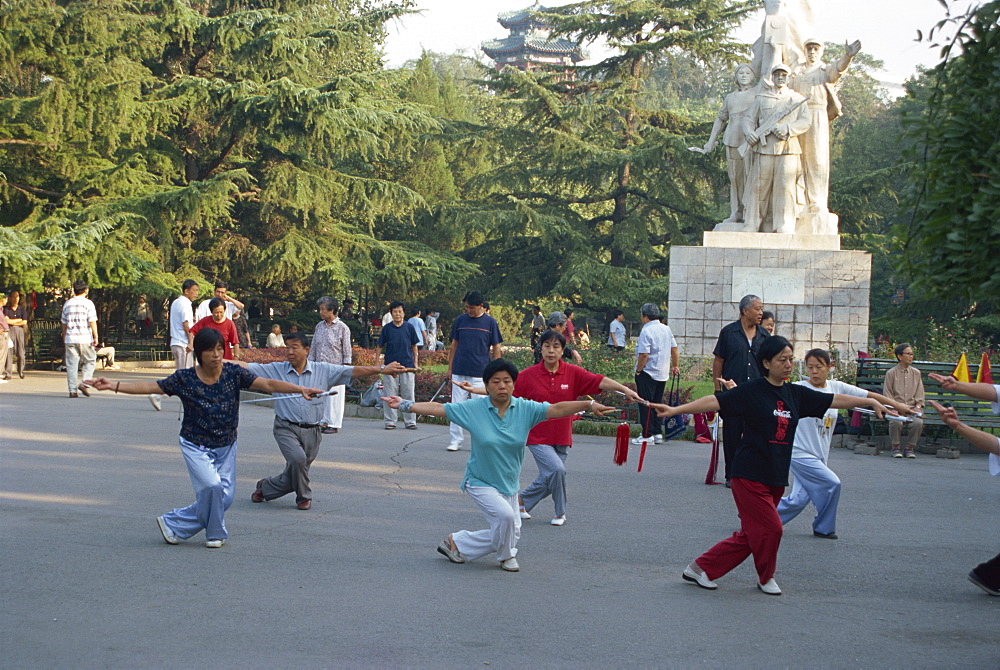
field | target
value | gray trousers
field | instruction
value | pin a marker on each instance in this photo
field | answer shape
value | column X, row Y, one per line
column 299, row 446
column 75, row 354
column 4, row 353
column 401, row 385
column 17, row 337
column 896, row 431
column 551, row 480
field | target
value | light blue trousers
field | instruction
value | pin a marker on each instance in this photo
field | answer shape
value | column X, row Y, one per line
column 213, row 476
column 551, row 480
column 74, row 354
column 816, row 482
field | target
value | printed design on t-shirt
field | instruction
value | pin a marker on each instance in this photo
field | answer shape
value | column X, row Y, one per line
column 828, row 421
column 783, row 416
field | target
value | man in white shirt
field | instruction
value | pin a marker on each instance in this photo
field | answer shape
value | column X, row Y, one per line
column 79, row 332
column 616, row 336
column 657, row 357
column 233, row 306
column 181, row 321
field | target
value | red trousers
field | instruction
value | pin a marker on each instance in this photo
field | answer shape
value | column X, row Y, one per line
column 759, row 534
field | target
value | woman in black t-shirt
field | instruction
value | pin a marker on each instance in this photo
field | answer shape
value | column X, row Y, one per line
column 770, row 409
column 210, row 392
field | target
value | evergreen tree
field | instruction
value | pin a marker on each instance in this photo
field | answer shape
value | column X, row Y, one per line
column 206, row 138
column 591, row 186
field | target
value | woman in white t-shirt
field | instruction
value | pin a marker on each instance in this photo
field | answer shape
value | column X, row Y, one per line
column 814, row 480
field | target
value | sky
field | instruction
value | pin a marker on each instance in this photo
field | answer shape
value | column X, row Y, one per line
column 887, row 29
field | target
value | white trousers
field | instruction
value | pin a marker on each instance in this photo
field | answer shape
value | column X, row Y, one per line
column 505, row 526
column 460, row 395
column 333, row 415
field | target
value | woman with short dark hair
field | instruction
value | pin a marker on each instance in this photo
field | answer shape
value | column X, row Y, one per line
column 771, row 410
column 210, row 393
column 499, row 425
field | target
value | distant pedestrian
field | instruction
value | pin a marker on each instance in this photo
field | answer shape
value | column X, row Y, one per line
column 475, row 339
column 181, row 321
column 537, row 326
column 432, row 330
column 570, row 332
column 332, row 344
column 419, row 327
column 210, row 393
column 17, row 321
column 79, row 333
column 656, row 358
column 616, row 331
column 5, row 366
column 217, row 320
column 398, row 340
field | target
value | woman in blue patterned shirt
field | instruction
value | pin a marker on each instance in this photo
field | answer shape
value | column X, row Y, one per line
column 210, row 393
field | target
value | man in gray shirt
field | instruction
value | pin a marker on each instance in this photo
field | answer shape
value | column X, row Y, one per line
column 297, row 421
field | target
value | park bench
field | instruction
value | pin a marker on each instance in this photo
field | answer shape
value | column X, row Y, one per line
column 976, row 413
column 43, row 334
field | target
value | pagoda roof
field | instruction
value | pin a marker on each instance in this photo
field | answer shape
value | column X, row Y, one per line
column 516, row 43
column 517, row 17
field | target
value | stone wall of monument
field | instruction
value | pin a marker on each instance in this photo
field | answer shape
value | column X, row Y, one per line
column 819, row 297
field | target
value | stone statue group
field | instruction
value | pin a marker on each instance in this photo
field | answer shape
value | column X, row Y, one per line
column 777, row 131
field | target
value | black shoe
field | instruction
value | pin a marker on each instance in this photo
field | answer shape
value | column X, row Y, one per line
column 828, row 536
column 728, row 484
column 974, row 578
column 21, row 375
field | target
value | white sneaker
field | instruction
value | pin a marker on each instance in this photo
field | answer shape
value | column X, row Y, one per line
column 771, row 588
column 510, row 565
column 214, row 544
column 559, row 520
column 523, row 513
column 641, row 439
column 454, row 446
column 168, row 535
column 154, row 400
column 699, row 578
column 657, row 439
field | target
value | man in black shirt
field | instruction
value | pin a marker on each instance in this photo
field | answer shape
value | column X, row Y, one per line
column 736, row 359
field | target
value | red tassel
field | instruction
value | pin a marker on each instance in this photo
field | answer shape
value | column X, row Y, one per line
column 621, row 444
column 642, row 454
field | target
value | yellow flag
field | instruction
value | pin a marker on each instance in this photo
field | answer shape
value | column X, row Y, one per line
column 961, row 371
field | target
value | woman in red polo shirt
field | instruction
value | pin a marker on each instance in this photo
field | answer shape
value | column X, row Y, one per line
column 218, row 321
column 554, row 380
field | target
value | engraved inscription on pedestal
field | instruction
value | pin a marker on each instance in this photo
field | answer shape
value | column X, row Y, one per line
column 781, row 286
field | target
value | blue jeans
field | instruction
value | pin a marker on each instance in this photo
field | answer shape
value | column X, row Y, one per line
column 213, row 476
column 74, row 354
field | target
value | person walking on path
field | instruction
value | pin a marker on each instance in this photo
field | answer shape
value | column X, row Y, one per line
column 904, row 384
column 985, row 575
column 218, row 320
column 537, row 326
column 181, row 320
column 771, row 410
column 554, row 380
column 814, row 480
column 475, row 340
column 432, row 330
column 332, row 344
column 297, row 421
column 419, row 327
column 210, row 393
column 17, row 321
column 79, row 333
column 616, row 331
column 5, row 354
column 399, row 341
column 736, row 358
column 499, row 425
column 656, row 358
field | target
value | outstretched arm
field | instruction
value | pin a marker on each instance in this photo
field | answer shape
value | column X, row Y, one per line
column 978, row 438
column 841, row 401
column 568, row 407
column 277, row 386
column 971, row 389
column 132, row 388
column 708, row 403
column 609, row 384
column 425, row 408
column 888, row 402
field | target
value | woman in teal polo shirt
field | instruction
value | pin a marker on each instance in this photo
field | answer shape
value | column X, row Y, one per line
column 499, row 425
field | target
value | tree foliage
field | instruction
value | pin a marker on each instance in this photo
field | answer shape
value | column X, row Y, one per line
column 952, row 205
column 207, row 138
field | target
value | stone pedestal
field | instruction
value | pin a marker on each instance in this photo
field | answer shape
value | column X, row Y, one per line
column 819, row 295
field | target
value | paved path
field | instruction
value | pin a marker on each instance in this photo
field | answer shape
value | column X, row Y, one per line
column 87, row 581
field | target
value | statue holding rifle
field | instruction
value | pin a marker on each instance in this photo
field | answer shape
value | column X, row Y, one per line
column 772, row 127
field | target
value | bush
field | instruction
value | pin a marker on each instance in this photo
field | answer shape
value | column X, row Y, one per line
column 510, row 320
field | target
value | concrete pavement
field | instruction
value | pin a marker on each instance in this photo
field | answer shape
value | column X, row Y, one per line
column 88, row 582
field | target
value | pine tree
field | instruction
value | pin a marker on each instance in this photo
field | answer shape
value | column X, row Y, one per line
column 205, row 138
column 592, row 186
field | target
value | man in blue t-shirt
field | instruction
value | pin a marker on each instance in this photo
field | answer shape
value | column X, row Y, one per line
column 399, row 340
column 475, row 339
